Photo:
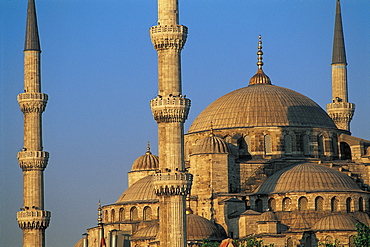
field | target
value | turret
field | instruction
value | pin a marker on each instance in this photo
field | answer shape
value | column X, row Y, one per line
column 32, row 218
column 340, row 110
column 170, row 109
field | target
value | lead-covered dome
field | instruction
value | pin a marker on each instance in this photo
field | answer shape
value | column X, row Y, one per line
column 211, row 145
column 148, row 161
column 262, row 105
column 141, row 191
column 308, row 177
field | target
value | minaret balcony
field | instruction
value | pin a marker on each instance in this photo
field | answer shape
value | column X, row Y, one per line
column 32, row 102
column 340, row 105
column 33, row 160
column 175, row 183
column 170, row 109
column 168, row 37
column 33, row 219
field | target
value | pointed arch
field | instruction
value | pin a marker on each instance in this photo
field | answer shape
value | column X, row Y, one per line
column 134, row 214
column 302, row 203
column 147, row 213
column 286, row 205
column 319, row 203
column 121, row 214
column 334, row 204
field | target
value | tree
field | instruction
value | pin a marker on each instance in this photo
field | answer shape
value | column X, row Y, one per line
column 363, row 235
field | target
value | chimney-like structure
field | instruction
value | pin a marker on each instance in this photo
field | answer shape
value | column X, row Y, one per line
column 170, row 109
column 32, row 218
column 340, row 110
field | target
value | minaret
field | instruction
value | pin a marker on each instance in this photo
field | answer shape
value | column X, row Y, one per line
column 32, row 218
column 340, row 110
column 170, row 109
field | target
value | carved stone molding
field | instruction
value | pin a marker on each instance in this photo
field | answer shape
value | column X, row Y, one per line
column 33, row 219
column 33, row 160
column 32, row 102
column 168, row 184
column 170, row 109
column 168, row 37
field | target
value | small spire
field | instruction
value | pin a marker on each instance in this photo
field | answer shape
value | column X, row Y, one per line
column 260, row 77
column 100, row 214
column 32, row 41
column 339, row 51
column 148, row 149
column 188, row 209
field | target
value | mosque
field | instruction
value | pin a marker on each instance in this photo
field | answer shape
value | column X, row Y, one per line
column 261, row 161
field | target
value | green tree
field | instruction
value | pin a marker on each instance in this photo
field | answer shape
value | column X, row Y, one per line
column 363, row 235
column 330, row 244
column 207, row 243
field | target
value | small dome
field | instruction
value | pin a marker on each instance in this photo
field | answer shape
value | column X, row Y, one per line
column 198, row 228
column 148, row 161
column 141, row 191
column 336, row 222
column 268, row 216
column 211, row 145
column 308, row 177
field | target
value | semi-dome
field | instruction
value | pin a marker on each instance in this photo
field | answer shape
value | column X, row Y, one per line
column 338, row 222
column 262, row 105
column 141, row 191
column 198, row 228
column 308, row 177
column 148, row 161
column 211, row 144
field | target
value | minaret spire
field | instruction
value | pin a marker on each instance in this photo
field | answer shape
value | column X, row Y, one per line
column 32, row 41
column 170, row 109
column 260, row 77
column 340, row 110
column 32, row 218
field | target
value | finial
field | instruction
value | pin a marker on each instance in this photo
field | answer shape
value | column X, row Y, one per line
column 259, row 52
column 211, row 130
column 100, row 214
column 260, row 77
column 148, row 148
column 188, row 209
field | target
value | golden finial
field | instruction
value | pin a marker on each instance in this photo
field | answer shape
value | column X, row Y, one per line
column 188, row 210
column 259, row 52
column 100, row 214
column 211, row 130
column 148, row 148
column 260, row 77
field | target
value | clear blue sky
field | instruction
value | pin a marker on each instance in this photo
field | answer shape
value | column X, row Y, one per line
column 100, row 71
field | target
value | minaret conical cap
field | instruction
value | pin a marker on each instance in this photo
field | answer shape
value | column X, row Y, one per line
column 339, row 51
column 32, row 41
column 260, row 77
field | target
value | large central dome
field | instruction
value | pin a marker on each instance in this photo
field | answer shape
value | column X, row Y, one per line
column 262, row 105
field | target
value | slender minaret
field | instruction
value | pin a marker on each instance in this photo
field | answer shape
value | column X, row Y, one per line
column 340, row 110
column 170, row 109
column 32, row 218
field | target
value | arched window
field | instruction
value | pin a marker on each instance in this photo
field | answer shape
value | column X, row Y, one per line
column 268, row 144
column 112, row 216
column 259, row 205
column 361, row 204
column 134, row 214
column 247, row 140
column 121, row 214
column 289, row 242
column 334, row 204
column 349, row 204
column 351, row 241
column 345, row 151
column 329, row 239
column 147, row 213
column 106, row 216
column 287, row 202
column 288, row 144
column 272, row 204
column 319, row 204
column 306, row 145
column 302, row 203
column 320, row 143
column 335, row 145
